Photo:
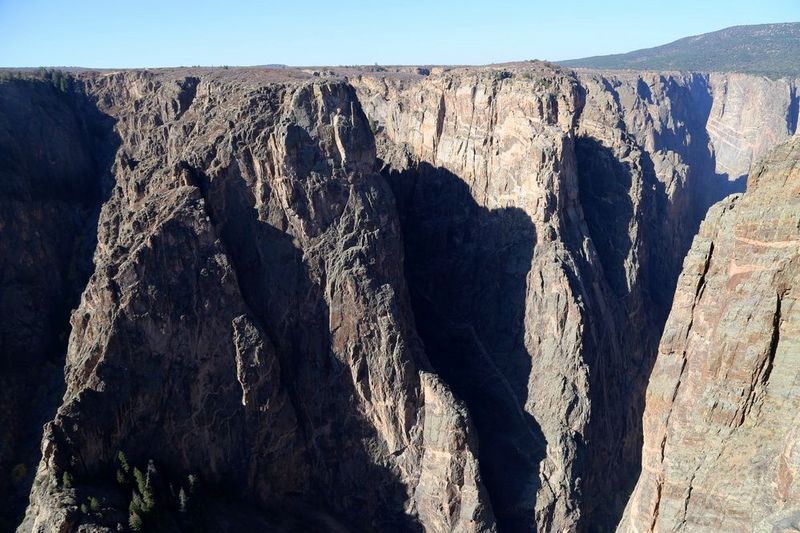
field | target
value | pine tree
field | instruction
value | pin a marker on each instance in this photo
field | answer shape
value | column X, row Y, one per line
column 135, row 522
column 123, row 462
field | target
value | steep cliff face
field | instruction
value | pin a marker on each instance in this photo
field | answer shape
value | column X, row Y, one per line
column 247, row 319
column 437, row 313
column 721, row 442
column 545, row 218
column 483, row 168
column 51, row 188
column 749, row 116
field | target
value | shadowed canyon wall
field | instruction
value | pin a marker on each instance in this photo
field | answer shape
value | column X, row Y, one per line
column 721, row 448
column 609, row 175
column 439, row 312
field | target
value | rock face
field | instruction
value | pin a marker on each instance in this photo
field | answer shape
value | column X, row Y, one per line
column 426, row 299
column 247, row 319
column 745, row 118
column 545, row 218
column 722, row 451
column 50, row 195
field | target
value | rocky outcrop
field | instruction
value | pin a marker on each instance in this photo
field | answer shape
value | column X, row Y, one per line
column 721, row 442
column 51, row 188
column 438, row 312
column 247, row 319
column 545, row 218
column 748, row 117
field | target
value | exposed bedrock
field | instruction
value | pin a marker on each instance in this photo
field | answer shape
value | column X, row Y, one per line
column 552, row 271
column 55, row 152
column 395, row 302
column 247, row 320
column 721, row 444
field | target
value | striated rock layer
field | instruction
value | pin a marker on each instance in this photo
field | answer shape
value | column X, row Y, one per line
column 438, row 312
column 247, row 318
column 545, row 218
column 721, row 449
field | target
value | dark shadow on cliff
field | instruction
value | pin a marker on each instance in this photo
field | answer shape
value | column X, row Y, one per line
column 623, row 340
column 604, row 186
column 56, row 152
column 466, row 268
column 692, row 108
column 618, row 352
column 290, row 308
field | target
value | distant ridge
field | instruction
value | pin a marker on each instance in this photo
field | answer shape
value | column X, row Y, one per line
column 771, row 50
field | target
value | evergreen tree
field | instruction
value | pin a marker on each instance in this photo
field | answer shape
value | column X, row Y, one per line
column 135, row 522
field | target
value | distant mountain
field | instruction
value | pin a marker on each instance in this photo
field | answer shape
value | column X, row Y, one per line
column 771, row 50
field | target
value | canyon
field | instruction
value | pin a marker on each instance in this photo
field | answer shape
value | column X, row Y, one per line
column 401, row 299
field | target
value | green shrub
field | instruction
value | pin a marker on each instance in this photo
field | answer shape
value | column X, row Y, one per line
column 123, row 462
column 135, row 522
column 66, row 480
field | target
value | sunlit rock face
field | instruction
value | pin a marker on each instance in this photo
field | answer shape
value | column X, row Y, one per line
column 721, row 442
column 412, row 300
column 545, row 218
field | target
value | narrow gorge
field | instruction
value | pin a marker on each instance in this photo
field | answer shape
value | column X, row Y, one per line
column 418, row 299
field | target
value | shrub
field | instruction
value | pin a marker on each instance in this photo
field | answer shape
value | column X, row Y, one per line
column 123, row 462
column 66, row 480
column 135, row 522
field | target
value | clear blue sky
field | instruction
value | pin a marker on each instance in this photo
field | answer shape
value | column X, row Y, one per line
column 118, row 33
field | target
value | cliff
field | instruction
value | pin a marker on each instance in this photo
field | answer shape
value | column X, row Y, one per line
column 247, row 318
column 720, row 427
column 390, row 300
column 545, row 218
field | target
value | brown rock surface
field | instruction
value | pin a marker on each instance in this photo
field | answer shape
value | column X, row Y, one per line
column 721, row 442
column 545, row 218
column 50, row 195
column 247, row 319
column 306, row 320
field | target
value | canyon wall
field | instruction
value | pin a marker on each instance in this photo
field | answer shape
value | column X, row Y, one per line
column 395, row 301
column 721, row 450
column 545, row 218
column 247, row 318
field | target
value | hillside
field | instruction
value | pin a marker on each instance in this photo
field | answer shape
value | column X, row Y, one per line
column 765, row 49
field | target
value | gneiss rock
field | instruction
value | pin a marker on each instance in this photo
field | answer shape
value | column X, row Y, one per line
column 722, row 449
column 247, row 319
column 545, row 217
column 448, row 329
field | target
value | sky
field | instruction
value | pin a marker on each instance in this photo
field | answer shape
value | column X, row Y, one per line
column 147, row 33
